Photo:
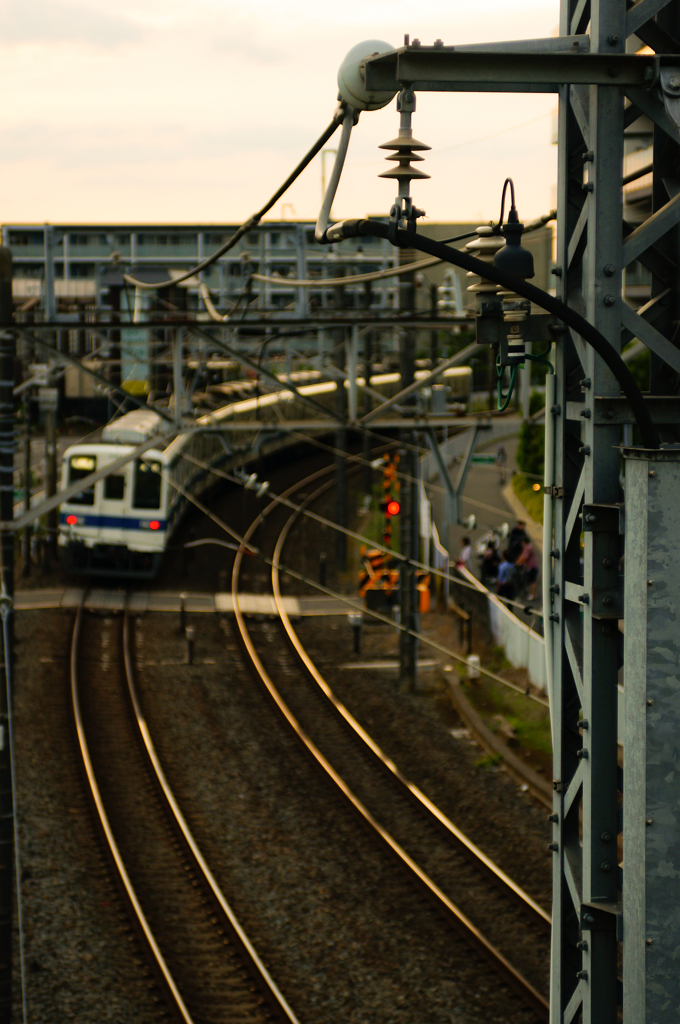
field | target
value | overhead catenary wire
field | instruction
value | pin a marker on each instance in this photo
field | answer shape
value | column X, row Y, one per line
column 252, row 221
column 302, row 578
column 378, row 275
column 334, row 526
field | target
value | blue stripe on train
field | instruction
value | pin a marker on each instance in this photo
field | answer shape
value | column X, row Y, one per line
column 113, row 522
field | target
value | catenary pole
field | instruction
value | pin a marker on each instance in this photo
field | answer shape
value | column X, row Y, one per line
column 408, row 529
column 7, row 424
column 338, row 358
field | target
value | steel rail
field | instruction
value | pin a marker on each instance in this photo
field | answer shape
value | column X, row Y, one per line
column 154, row 950
column 509, row 886
column 269, row 987
column 532, row 996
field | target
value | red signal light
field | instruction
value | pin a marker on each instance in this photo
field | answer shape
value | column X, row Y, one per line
column 393, row 508
column 72, row 520
column 154, row 525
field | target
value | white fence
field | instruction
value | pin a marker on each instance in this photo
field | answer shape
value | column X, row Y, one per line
column 524, row 648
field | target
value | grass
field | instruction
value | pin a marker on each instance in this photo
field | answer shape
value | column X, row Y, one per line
column 530, row 721
column 531, row 499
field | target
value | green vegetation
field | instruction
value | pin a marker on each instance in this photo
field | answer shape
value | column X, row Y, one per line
column 529, row 720
column 639, row 367
column 489, row 761
column 531, row 448
column 531, row 499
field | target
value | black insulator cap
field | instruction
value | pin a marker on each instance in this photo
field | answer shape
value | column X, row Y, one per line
column 513, row 257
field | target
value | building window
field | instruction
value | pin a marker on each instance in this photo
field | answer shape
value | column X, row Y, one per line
column 78, row 239
column 274, row 237
column 253, row 237
column 81, row 270
column 17, row 238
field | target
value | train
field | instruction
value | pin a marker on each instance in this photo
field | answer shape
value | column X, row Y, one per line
column 121, row 525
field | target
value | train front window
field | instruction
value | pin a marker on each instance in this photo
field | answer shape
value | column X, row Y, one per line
column 81, row 466
column 147, row 484
column 114, row 487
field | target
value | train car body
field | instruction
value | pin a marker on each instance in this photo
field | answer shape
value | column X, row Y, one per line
column 119, row 526
column 122, row 524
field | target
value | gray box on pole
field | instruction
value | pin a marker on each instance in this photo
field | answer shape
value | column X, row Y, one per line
column 651, row 789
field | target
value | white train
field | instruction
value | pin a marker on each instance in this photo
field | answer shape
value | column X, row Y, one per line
column 121, row 526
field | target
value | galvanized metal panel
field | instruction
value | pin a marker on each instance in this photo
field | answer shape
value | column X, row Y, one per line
column 652, row 759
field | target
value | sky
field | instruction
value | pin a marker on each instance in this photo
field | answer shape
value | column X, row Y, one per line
column 157, row 111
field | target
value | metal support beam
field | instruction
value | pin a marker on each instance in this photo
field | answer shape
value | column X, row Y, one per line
column 450, row 493
column 51, row 479
column 26, row 539
column 455, row 69
column 465, row 464
column 7, row 823
column 340, row 411
column 408, row 546
column 105, row 384
column 413, row 386
column 352, row 344
column 261, row 370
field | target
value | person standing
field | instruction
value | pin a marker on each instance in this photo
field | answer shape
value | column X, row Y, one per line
column 528, row 559
column 505, row 585
column 518, row 535
column 465, row 557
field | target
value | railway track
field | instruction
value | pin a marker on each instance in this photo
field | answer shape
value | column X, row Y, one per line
column 497, row 917
column 203, row 962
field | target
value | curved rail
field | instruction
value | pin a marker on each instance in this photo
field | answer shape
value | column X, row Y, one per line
column 157, row 956
column 530, row 905
column 524, row 987
column 258, row 971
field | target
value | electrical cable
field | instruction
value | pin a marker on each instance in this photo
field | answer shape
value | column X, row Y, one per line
column 255, row 218
column 570, row 317
column 327, row 282
column 349, row 120
column 504, row 402
column 513, row 208
column 214, row 315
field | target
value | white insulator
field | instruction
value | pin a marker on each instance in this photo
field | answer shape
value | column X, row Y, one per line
column 484, row 247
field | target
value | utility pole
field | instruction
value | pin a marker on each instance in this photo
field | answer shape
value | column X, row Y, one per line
column 340, row 431
column 368, row 363
column 408, row 594
column 26, row 537
column 7, row 357
column 51, row 469
column 434, row 334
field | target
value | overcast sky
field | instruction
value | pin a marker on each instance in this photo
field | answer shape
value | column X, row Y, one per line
column 161, row 111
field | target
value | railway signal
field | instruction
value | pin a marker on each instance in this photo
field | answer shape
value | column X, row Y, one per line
column 389, row 504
